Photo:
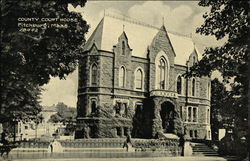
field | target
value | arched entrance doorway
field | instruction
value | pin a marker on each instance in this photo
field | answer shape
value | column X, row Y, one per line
column 167, row 114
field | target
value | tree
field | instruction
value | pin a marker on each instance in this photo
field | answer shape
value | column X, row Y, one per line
column 222, row 110
column 228, row 19
column 30, row 59
column 64, row 114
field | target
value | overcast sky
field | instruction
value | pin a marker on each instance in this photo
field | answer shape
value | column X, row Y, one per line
column 179, row 16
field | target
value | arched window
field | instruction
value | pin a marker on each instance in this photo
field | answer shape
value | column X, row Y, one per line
column 193, row 87
column 122, row 77
column 138, row 79
column 162, row 74
column 179, row 85
column 162, row 67
column 123, row 48
column 94, row 75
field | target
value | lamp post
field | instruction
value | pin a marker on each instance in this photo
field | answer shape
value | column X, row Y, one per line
column 36, row 123
column 14, row 121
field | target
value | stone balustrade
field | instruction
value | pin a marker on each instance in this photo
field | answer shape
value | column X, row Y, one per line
column 33, row 144
column 170, row 146
column 93, row 143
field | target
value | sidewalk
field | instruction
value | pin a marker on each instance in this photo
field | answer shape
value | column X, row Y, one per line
column 141, row 159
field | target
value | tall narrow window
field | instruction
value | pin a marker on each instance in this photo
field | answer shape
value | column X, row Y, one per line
column 122, row 77
column 162, row 70
column 179, row 85
column 189, row 114
column 191, row 133
column 93, row 106
column 195, row 133
column 208, row 90
column 118, row 108
column 94, row 75
column 194, row 114
column 208, row 116
column 123, row 48
column 125, row 131
column 138, row 79
column 181, row 113
column 138, row 108
column 119, row 131
column 193, row 60
column 123, row 109
column 193, row 87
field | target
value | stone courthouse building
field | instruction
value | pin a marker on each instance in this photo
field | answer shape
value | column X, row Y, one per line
column 130, row 81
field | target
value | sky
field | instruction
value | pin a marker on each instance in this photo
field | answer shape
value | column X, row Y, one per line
column 178, row 16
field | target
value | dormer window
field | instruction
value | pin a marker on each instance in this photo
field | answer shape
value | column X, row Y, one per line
column 123, row 48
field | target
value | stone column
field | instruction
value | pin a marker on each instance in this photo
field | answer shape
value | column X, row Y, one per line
column 157, row 123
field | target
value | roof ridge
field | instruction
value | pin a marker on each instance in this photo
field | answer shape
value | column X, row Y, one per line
column 126, row 18
column 130, row 20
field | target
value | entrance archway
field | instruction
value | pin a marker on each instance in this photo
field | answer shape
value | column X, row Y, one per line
column 167, row 114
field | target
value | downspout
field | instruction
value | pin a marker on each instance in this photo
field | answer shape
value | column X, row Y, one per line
column 113, row 74
column 186, row 96
column 148, row 86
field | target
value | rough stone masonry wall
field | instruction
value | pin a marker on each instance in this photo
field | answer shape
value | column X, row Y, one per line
column 106, row 70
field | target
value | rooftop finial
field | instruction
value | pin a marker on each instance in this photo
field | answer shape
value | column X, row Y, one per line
column 163, row 20
column 123, row 27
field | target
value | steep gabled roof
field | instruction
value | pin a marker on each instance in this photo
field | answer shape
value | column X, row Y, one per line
column 139, row 35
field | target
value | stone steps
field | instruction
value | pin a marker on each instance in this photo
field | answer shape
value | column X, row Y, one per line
column 200, row 149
